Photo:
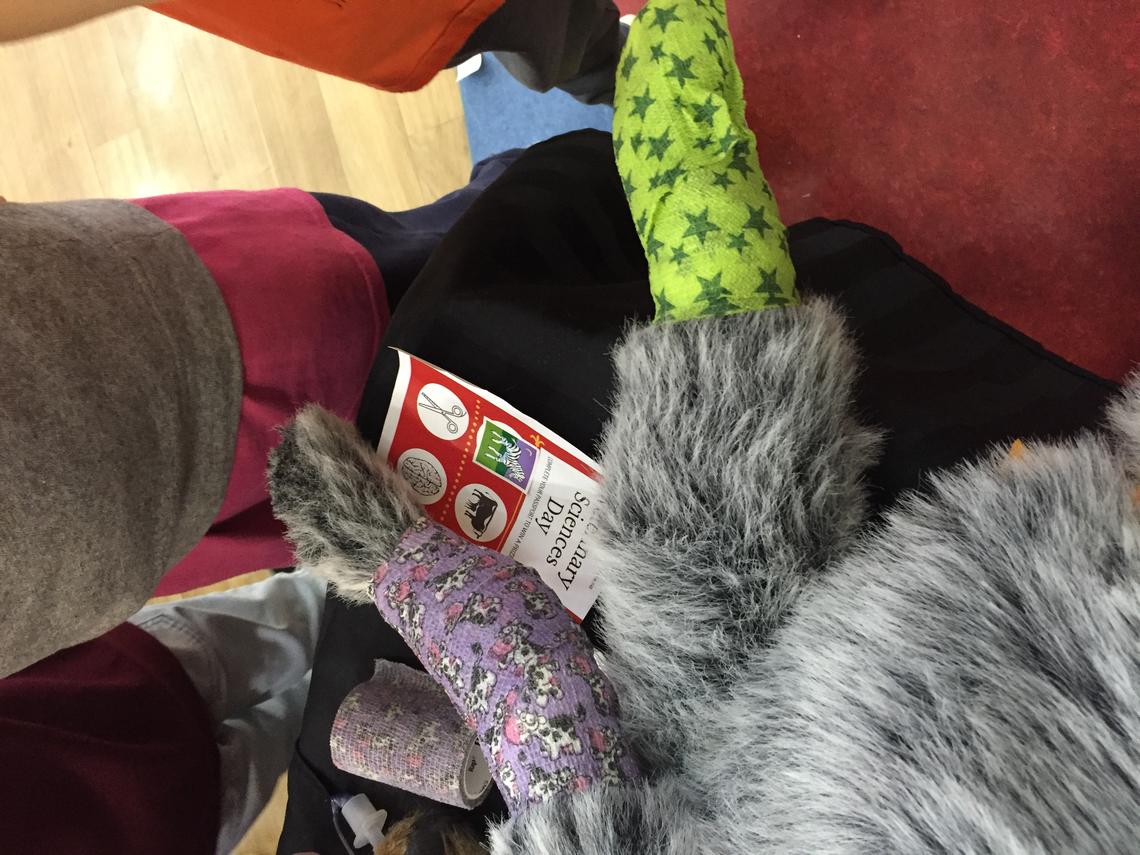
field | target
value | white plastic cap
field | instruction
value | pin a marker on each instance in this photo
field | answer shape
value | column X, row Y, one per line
column 366, row 822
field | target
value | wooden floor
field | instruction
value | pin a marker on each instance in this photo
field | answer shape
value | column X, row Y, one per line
column 135, row 104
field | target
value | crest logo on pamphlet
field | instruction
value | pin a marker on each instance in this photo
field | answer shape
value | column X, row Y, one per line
column 506, row 454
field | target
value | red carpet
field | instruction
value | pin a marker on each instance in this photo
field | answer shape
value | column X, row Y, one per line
column 998, row 142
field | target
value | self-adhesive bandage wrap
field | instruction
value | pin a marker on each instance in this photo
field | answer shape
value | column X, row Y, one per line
column 706, row 216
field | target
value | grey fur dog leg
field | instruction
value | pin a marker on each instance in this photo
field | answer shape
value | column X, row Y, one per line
column 733, row 474
column 344, row 508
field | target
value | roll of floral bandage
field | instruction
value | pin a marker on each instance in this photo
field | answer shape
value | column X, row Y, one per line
column 400, row 729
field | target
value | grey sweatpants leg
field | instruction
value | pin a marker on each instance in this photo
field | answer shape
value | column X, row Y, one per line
column 249, row 652
column 570, row 44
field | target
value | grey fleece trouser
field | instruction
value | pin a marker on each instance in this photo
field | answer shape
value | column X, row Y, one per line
column 570, row 44
column 249, row 653
column 120, row 391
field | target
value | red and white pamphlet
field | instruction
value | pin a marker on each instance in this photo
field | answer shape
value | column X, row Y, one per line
column 495, row 476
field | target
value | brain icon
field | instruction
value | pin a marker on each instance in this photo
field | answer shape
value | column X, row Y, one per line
column 421, row 476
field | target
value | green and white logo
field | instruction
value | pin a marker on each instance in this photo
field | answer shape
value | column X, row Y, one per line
column 506, row 454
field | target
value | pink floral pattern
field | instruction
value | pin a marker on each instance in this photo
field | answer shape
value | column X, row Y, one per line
column 521, row 673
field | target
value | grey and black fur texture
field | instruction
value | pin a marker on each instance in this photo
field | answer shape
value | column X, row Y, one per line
column 639, row 819
column 343, row 506
column 733, row 464
column 963, row 678
column 966, row 681
column 1124, row 420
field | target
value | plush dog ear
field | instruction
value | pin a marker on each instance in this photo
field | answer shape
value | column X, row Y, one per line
column 344, row 508
column 1124, row 420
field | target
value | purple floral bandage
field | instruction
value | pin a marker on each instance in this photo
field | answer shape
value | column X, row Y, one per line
column 511, row 659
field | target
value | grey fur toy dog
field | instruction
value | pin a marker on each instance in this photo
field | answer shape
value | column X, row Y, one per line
column 966, row 678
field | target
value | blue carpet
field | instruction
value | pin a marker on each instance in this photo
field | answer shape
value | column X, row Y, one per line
column 502, row 113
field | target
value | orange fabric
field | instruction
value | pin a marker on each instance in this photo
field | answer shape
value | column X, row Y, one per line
column 397, row 45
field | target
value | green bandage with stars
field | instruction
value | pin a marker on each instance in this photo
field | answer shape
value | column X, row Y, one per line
column 707, row 219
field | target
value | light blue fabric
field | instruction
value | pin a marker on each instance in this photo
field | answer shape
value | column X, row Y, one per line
column 502, row 113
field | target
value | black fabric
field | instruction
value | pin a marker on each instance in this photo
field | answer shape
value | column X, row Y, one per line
column 400, row 242
column 529, row 292
column 944, row 378
column 572, row 44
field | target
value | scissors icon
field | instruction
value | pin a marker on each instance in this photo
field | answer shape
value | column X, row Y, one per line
column 450, row 415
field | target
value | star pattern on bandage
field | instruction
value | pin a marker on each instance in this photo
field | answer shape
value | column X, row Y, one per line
column 653, row 246
column 682, row 70
column 664, row 307
column 688, row 164
column 641, row 104
column 658, row 146
column 705, row 113
column 769, row 289
column 663, row 16
column 722, row 180
column 665, row 178
column 700, row 225
column 627, row 65
column 756, row 220
column 715, row 296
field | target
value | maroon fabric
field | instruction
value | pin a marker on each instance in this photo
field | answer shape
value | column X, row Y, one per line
column 308, row 307
column 107, row 748
column 996, row 141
